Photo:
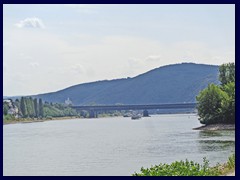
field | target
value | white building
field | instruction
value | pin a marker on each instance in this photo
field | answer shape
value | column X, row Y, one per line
column 68, row 102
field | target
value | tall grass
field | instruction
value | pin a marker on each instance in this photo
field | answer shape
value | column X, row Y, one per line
column 231, row 162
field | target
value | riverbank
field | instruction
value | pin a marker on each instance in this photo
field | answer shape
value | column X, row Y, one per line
column 214, row 127
column 29, row 120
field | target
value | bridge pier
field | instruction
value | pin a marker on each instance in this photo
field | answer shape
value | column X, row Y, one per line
column 145, row 113
column 91, row 114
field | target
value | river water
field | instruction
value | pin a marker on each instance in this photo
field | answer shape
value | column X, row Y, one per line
column 109, row 146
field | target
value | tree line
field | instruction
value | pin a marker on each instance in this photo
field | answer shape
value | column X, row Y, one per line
column 216, row 103
column 28, row 107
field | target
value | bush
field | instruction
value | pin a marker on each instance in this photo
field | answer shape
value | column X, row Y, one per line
column 180, row 168
column 8, row 117
column 231, row 162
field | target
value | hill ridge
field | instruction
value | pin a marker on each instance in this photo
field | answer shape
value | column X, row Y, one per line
column 166, row 84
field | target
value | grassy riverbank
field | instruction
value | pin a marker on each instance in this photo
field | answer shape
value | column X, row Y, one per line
column 31, row 120
column 190, row 168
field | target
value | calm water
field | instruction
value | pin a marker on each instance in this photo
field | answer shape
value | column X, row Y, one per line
column 109, row 146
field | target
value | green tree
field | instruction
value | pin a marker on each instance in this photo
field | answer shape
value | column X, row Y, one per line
column 210, row 103
column 216, row 104
column 227, row 73
column 36, row 107
column 228, row 103
column 40, row 108
column 23, row 107
column 31, row 105
column 17, row 104
column 5, row 108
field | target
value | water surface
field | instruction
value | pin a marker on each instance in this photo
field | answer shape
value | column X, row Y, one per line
column 109, row 146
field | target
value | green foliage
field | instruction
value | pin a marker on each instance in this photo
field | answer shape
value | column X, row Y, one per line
column 51, row 111
column 58, row 110
column 227, row 73
column 231, row 162
column 30, row 107
column 40, row 108
column 228, row 103
column 23, row 107
column 5, row 108
column 8, row 117
column 209, row 104
column 36, row 107
column 69, row 112
column 180, row 168
column 84, row 113
column 216, row 104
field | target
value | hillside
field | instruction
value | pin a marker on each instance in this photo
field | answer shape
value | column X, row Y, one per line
column 167, row 84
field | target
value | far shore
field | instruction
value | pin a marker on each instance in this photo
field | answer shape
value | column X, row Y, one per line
column 28, row 120
column 214, row 127
column 35, row 120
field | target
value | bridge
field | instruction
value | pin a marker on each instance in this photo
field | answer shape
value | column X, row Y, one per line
column 145, row 107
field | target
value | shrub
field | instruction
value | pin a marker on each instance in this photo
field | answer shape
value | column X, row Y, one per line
column 180, row 168
column 8, row 117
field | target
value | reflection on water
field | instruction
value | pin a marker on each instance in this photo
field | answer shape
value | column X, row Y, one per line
column 218, row 133
column 216, row 141
column 215, row 145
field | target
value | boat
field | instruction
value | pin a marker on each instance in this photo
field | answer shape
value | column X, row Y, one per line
column 137, row 116
column 127, row 115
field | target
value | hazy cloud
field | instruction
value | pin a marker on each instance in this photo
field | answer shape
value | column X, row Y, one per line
column 31, row 23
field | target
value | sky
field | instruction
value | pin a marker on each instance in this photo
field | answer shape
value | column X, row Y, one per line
column 47, row 48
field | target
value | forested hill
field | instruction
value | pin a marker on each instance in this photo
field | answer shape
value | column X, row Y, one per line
column 167, row 84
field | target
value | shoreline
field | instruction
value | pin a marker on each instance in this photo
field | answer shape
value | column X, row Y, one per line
column 23, row 121
column 215, row 127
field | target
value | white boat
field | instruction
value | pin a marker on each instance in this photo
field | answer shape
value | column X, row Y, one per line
column 127, row 115
column 137, row 116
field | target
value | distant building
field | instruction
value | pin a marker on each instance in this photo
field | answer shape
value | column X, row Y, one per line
column 13, row 109
column 9, row 101
column 68, row 102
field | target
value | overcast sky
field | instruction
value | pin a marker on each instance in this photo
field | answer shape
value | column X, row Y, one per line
column 50, row 47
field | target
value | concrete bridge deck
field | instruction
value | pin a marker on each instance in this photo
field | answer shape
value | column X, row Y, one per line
column 136, row 107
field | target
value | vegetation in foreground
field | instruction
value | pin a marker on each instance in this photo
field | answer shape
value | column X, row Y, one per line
column 189, row 168
column 216, row 104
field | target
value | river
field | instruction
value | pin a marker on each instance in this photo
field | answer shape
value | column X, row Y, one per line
column 109, row 146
